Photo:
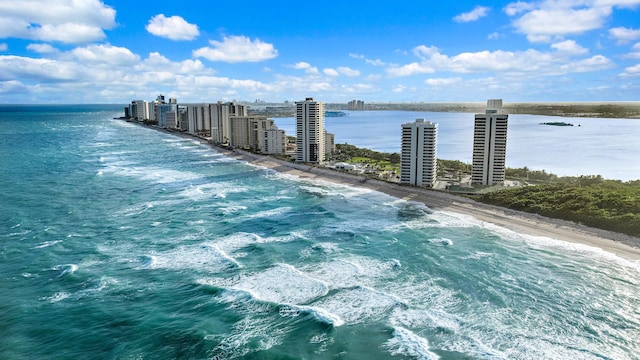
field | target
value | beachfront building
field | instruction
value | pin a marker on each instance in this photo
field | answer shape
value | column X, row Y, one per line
column 163, row 111
column 310, row 143
column 221, row 114
column 329, row 143
column 139, row 110
column 489, row 145
column 418, row 162
column 198, row 118
column 247, row 132
column 274, row 141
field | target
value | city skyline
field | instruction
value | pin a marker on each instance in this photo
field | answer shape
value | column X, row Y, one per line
column 111, row 51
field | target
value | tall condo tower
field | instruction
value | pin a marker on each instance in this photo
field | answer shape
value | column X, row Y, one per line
column 418, row 162
column 310, row 131
column 489, row 145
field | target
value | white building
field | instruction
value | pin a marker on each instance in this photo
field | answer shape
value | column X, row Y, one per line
column 139, row 110
column 418, row 162
column 274, row 141
column 310, row 131
column 489, row 145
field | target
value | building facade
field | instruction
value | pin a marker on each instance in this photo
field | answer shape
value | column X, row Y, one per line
column 489, row 145
column 310, row 143
column 275, row 141
column 418, row 162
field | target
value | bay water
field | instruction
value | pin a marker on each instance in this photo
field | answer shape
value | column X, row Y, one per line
column 592, row 146
column 118, row 241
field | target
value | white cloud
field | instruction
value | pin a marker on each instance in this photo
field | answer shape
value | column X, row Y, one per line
column 443, row 81
column 631, row 71
column 173, row 28
column 547, row 19
column 346, row 71
column 516, row 62
column 306, row 67
column 570, row 47
column 342, row 70
column 624, row 35
column 374, row 62
column 235, row 49
column 42, row 48
column 41, row 70
column 331, row 72
column 493, row 35
column 105, row 54
column 475, row 14
column 3, row 47
column 69, row 21
column 410, row 69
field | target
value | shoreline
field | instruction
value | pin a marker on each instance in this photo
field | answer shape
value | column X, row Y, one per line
column 622, row 245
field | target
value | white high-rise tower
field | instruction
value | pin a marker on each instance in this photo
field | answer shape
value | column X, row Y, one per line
column 310, row 131
column 489, row 145
column 418, row 162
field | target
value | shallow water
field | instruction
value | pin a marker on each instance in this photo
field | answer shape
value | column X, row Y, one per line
column 118, row 241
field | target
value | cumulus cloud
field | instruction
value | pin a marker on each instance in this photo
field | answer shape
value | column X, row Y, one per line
column 105, row 54
column 374, row 62
column 42, row 48
column 66, row 21
column 343, row 70
column 624, row 35
column 546, row 20
column 331, row 72
column 475, row 14
column 516, row 62
column 443, row 81
column 234, row 49
column 173, row 28
column 41, row 70
column 570, row 47
column 306, row 67
column 631, row 71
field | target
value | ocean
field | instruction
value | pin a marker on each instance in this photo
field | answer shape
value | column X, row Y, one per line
column 121, row 242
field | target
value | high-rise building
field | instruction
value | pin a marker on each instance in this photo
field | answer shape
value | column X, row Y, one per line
column 310, row 131
column 275, row 141
column 329, row 143
column 489, row 145
column 418, row 162
column 355, row 105
column 248, row 131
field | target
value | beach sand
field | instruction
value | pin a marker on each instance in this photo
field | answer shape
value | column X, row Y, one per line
column 622, row 245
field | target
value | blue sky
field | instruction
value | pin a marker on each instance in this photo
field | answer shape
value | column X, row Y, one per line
column 114, row 51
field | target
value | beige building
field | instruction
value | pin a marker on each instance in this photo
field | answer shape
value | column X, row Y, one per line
column 248, row 131
column 275, row 141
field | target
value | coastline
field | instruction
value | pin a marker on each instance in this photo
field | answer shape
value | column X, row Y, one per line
column 622, row 245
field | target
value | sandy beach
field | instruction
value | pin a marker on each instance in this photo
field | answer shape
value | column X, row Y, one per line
column 622, row 245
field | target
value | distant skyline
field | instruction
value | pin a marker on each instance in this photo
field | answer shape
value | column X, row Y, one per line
column 91, row 51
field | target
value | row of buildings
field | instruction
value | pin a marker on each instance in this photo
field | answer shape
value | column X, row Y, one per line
column 228, row 124
column 418, row 162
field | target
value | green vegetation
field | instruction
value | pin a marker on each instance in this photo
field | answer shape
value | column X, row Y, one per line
column 589, row 200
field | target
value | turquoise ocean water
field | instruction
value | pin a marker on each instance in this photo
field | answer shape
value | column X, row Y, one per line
column 117, row 241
